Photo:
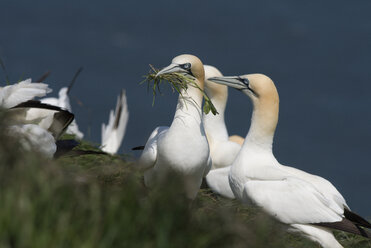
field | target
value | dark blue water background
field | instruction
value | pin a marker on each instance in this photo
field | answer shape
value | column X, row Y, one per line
column 317, row 52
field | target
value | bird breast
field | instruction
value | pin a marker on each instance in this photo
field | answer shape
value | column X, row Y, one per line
column 185, row 150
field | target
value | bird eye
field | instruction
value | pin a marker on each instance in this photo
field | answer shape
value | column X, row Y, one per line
column 245, row 81
column 186, row 66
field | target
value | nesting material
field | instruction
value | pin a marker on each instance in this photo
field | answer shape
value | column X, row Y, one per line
column 178, row 82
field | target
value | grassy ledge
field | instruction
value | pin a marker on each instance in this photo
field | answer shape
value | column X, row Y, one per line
column 100, row 201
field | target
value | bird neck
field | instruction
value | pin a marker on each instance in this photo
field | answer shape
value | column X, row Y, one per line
column 215, row 127
column 189, row 104
column 263, row 124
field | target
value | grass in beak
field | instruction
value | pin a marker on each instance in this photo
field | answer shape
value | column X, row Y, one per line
column 178, row 82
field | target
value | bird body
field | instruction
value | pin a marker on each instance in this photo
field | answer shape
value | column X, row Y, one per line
column 34, row 137
column 181, row 148
column 308, row 203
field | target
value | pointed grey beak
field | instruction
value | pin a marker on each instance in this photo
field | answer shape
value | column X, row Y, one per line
column 234, row 82
column 169, row 69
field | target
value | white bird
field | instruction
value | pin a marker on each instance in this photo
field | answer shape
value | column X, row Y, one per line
column 181, row 148
column 308, row 203
column 223, row 151
column 36, row 125
column 23, row 91
column 114, row 132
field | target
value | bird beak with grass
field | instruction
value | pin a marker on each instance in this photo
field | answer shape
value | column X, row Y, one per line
column 181, row 76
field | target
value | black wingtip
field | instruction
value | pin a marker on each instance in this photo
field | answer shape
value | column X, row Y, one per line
column 356, row 219
column 37, row 104
column 118, row 112
column 137, row 148
column 62, row 118
column 43, row 77
column 74, row 79
column 61, row 121
column 346, row 226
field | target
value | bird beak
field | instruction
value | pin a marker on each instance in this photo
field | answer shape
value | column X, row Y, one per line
column 169, row 69
column 234, row 82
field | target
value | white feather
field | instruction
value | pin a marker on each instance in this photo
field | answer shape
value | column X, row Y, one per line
column 33, row 137
column 113, row 133
column 218, row 182
column 15, row 94
column 63, row 101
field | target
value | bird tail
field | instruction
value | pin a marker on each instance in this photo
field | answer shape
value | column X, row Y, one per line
column 356, row 219
column 347, row 226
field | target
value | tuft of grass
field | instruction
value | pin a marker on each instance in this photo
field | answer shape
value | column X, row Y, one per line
column 178, row 82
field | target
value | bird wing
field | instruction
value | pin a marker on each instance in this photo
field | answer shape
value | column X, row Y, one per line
column 291, row 200
column 15, row 94
column 148, row 157
column 321, row 184
column 50, row 100
column 64, row 99
column 218, row 181
column 51, row 118
column 114, row 131
column 73, row 129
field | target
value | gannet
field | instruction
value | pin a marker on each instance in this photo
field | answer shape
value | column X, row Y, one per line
column 36, row 125
column 222, row 150
column 181, row 148
column 306, row 202
column 114, row 132
column 30, row 135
